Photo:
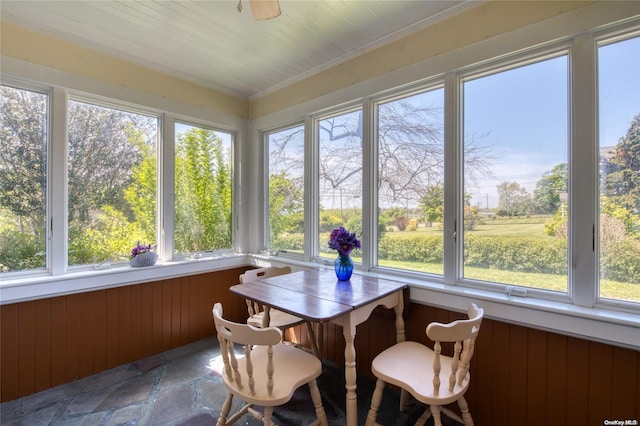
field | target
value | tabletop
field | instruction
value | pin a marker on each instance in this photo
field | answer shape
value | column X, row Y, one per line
column 317, row 294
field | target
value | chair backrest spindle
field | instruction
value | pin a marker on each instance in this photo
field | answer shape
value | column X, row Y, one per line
column 463, row 333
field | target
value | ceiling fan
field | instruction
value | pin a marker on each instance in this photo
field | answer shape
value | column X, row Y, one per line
column 262, row 9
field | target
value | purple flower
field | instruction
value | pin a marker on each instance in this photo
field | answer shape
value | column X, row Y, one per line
column 343, row 241
column 141, row 248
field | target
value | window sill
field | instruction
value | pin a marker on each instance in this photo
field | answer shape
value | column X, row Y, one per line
column 41, row 286
column 596, row 324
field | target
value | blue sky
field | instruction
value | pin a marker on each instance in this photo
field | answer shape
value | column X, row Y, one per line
column 523, row 113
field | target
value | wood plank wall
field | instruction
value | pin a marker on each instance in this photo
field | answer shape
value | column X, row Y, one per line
column 520, row 376
column 51, row 341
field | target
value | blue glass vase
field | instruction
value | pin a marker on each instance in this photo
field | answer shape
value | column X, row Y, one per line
column 344, row 267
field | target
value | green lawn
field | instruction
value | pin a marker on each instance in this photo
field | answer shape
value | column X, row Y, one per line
column 610, row 289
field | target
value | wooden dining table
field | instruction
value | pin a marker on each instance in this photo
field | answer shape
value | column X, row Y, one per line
column 317, row 295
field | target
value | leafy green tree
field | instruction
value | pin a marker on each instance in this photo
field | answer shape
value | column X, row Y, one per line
column 23, row 135
column 203, row 192
column 546, row 195
column 432, row 203
column 620, row 182
column 141, row 193
column 513, row 199
column 286, row 205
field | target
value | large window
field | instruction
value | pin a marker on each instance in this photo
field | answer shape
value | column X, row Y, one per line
column 340, row 176
column 112, row 175
column 515, row 176
column 23, row 179
column 619, row 148
column 203, row 189
column 410, row 160
column 286, row 190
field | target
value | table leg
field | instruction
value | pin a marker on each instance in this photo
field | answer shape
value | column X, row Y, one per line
column 399, row 308
column 349, row 331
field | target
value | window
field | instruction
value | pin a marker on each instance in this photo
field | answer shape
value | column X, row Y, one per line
column 410, row 161
column 203, row 182
column 23, row 179
column 619, row 148
column 515, row 176
column 286, row 189
column 340, row 176
column 112, row 182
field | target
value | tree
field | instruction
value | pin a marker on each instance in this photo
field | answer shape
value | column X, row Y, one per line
column 548, row 189
column 432, row 203
column 286, row 205
column 513, row 200
column 23, row 129
column 621, row 172
column 102, row 156
column 203, row 192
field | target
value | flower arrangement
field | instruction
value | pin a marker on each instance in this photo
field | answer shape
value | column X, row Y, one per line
column 343, row 241
column 143, row 255
column 141, row 248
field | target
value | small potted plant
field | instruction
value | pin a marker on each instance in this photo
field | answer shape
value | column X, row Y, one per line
column 143, row 255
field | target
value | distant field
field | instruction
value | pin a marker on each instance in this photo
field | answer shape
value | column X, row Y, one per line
column 499, row 227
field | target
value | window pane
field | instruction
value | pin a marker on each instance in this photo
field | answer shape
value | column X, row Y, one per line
column 410, row 182
column 619, row 124
column 203, row 189
column 112, row 182
column 23, row 179
column 286, row 190
column 340, row 169
column 515, row 176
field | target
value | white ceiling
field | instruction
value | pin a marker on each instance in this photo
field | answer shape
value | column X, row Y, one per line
column 209, row 42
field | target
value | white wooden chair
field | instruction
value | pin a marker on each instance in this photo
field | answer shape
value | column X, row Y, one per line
column 405, row 365
column 277, row 318
column 267, row 375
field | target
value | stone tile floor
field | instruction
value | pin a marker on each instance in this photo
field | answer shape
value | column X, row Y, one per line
column 183, row 387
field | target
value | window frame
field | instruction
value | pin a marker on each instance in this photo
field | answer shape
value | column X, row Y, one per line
column 493, row 67
column 577, row 309
column 167, row 221
column 32, row 284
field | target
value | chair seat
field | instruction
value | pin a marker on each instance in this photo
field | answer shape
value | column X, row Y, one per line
column 295, row 368
column 391, row 366
column 277, row 319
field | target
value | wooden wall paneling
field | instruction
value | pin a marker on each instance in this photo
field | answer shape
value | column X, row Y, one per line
column 625, row 401
column 517, row 364
column 555, row 392
column 185, row 289
column 536, row 376
column 482, row 374
column 9, row 385
column 58, row 341
column 86, row 334
column 577, row 381
column 176, row 305
column 26, row 347
column 42, row 344
column 157, row 317
column 71, row 322
column 135, row 337
column 166, row 315
column 500, row 392
column 124, row 325
column 112, row 328
column 146, row 320
column 600, row 381
column 99, row 330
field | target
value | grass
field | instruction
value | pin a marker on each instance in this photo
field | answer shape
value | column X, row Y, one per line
column 553, row 282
